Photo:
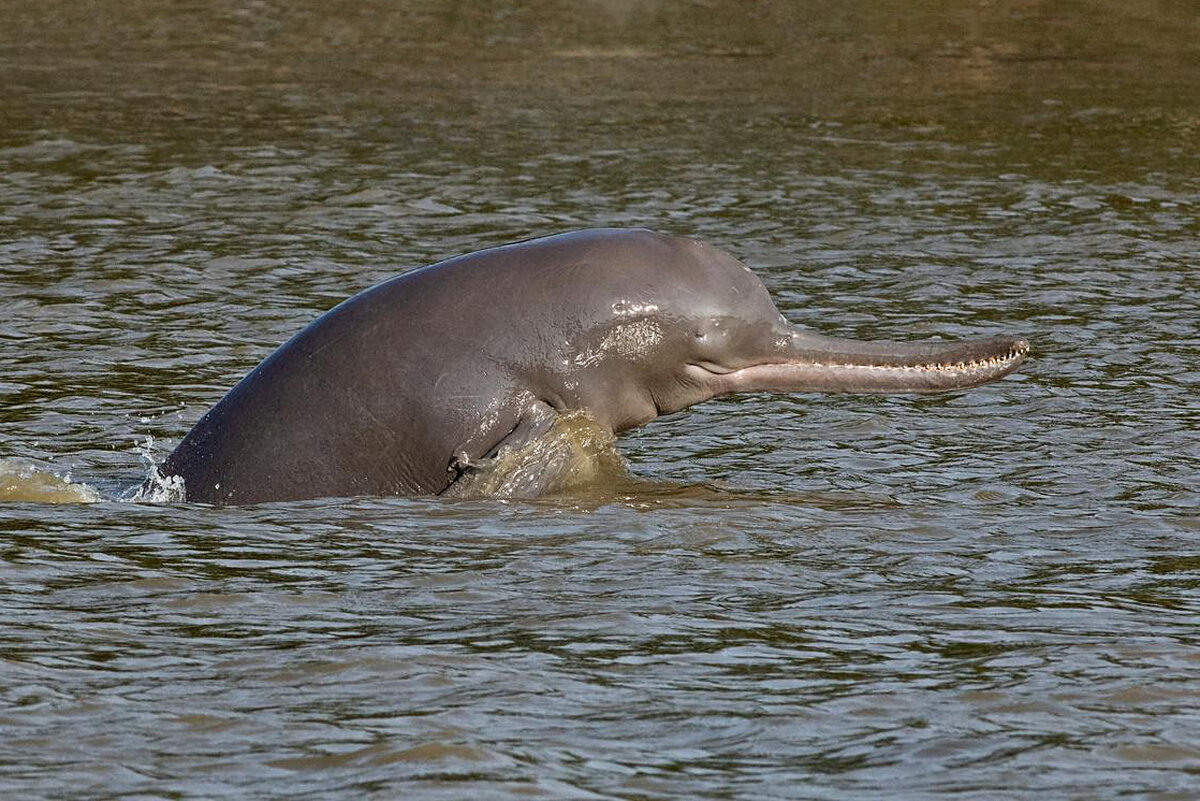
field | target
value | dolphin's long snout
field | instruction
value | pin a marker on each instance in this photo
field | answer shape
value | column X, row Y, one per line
column 814, row 363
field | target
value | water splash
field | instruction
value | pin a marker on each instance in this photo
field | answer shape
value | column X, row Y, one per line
column 25, row 483
column 157, row 488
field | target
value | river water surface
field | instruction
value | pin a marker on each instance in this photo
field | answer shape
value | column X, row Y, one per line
column 982, row 595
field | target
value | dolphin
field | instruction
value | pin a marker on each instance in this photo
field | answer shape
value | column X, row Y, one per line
column 401, row 388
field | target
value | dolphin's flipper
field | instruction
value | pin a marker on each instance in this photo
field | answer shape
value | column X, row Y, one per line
column 546, row 453
column 472, row 475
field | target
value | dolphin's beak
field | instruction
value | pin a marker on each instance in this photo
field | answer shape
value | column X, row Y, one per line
column 807, row 362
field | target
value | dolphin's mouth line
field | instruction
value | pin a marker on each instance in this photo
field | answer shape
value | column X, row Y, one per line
column 1015, row 353
column 968, row 365
column 864, row 367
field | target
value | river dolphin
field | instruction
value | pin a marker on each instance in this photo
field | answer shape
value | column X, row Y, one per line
column 399, row 389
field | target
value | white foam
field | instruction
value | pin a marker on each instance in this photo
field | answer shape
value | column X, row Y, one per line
column 157, row 488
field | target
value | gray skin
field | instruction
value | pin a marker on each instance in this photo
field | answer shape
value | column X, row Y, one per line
column 399, row 389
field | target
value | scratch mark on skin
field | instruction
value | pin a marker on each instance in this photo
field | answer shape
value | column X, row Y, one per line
column 632, row 341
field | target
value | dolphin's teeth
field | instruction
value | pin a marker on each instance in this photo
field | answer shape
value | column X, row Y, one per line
column 965, row 365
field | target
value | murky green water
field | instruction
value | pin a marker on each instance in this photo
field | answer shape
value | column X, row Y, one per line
column 984, row 595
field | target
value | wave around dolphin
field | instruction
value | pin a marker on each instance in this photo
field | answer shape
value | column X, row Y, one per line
column 26, row 483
